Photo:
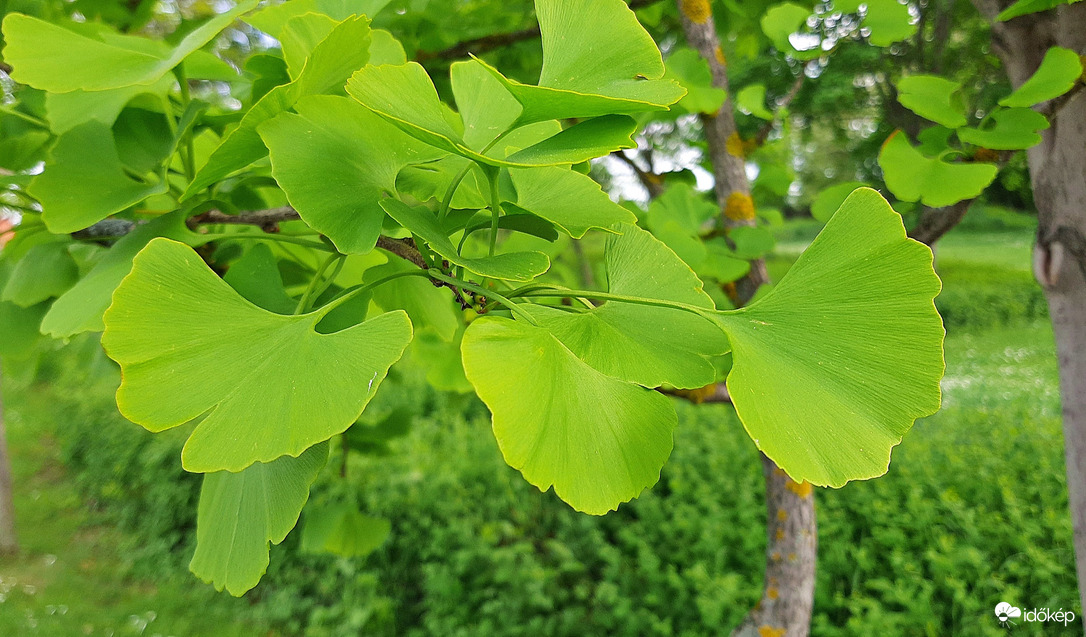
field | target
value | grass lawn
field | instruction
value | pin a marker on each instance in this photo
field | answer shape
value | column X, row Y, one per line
column 70, row 578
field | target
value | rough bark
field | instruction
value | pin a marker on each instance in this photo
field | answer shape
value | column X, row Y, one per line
column 1058, row 173
column 788, row 593
column 936, row 222
column 9, row 543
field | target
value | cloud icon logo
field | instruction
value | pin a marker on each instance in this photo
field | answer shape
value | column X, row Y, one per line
column 1005, row 612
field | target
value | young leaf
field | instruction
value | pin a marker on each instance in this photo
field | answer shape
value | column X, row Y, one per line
column 241, row 512
column 52, row 58
column 512, row 266
column 913, row 177
column 80, row 309
column 597, row 60
column 188, row 344
column 84, row 180
column 650, row 346
column 1059, row 71
column 1011, row 129
column 831, row 368
column 333, row 60
column 335, row 160
column 570, row 200
column 597, row 440
column 932, row 97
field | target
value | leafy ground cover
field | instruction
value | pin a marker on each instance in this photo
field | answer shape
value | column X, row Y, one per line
column 972, row 512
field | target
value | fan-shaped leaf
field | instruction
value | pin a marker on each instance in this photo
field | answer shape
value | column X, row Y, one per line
column 570, row 200
column 188, row 344
column 597, row 440
column 932, row 97
column 1011, row 129
column 241, row 512
column 1059, row 71
column 913, row 177
column 831, row 368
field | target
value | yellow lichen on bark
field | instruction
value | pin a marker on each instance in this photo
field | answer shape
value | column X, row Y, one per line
column 735, row 146
column 719, row 53
column 802, row 489
column 770, row 631
column 697, row 11
column 739, row 207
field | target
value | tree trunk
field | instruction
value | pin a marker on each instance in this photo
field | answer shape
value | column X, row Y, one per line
column 788, row 593
column 9, row 544
column 1058, row 172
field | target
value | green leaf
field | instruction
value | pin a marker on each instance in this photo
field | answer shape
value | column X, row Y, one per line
column 932, row 97
column 568, row 199
column 241, row 512
column 80, row 309
column 341, row 529
column 1024, row 7
column 752, row 100
column 751, row 242
column 681, row 204
column 1059, row 71
column 831, row 368
column 329, row 65
column 335, row 160
column 426, row 305
column 597, row 60
column 1011, row 129
column 65, row 111
column 405, row 96
column 889, row 21
column 442, row 361
column 487, row 108
column 913, row 177
column 650, row 346
column 84, row 181
column 597, row 440
column 52, row 58
column 781, row 21
column 46, row 271
column 691, row 71
column 830, row 199
column 273, row 18
column 19, row 325
column 300, row 36
column 255, row 276
column 512, row 266
column 272, row 384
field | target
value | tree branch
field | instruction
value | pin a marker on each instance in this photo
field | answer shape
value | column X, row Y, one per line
column 267, row 220
column 650, row 180
column 496, row 41
column 936, row 222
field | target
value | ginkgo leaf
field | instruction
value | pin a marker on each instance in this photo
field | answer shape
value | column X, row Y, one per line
column 510, row 266
column 888, row 21
column 80, row 309
column 572, row 201
column 830, row 199
column 19, row 325
column 597, row 60
column 188, row 344
column 273, row 18
column 1059, row 71
column 780, row 21
column 597, row 440
column 241, row 512
column 328, row 66
column 256, row 277
column 752, row 100
column 335, row 160
column 486, row 107
column 65, row 111
column 45, row 272
column 1010, row 129
column 913, row 177
column 650, row 346
column 691, row 71
column 831, row 368
column 52, row 58
column 84, row 180
column 405, row 96
column 932, row 97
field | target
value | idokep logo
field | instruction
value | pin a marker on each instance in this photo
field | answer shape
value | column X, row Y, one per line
column 1006, row 614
